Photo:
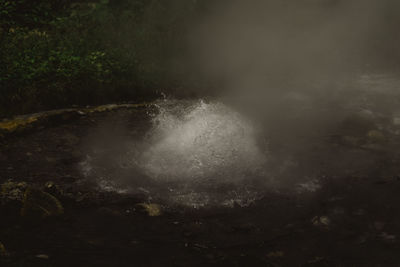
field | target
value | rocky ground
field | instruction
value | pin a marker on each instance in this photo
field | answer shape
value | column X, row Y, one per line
column 51, row 216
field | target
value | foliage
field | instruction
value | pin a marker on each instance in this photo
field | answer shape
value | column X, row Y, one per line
column 61, row 53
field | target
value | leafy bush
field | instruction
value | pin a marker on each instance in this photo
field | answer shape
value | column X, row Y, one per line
column 61, row 53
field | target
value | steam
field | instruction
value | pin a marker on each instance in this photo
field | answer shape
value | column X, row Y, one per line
column 286, row 75
column 256, row 52
column 275, row 41
column 294, row 66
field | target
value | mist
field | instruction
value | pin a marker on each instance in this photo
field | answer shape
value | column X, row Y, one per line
column 298, row 67
column 280, row 85
column 287, row 41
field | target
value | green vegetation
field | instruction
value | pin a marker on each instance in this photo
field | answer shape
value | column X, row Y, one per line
column 61, row 53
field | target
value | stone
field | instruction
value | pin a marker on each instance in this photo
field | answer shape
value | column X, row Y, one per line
column 3, row 251
column 151, row 209
column 39, row 204
column 12, row 191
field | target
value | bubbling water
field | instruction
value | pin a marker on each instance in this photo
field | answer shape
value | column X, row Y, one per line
column 201, row 141
column 195, row 154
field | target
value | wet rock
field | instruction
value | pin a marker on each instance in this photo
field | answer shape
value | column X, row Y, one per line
column 17, row 123
column 321, row 221
column 111, row 107
column 23, row 122
column 3, row 251
column 39, row 204
column 12, row 191
column 42, row 256
column 151, row 209
column 53, row 189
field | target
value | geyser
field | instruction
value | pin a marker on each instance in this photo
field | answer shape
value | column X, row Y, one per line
column 201, row 141
column 194, row 154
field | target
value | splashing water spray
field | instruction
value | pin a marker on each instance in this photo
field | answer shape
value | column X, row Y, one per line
column 203, row 141
column 203, row 153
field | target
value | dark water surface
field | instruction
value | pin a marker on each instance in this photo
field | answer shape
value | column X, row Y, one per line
column 231, row 190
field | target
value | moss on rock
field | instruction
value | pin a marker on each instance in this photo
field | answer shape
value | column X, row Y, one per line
column 39, row 204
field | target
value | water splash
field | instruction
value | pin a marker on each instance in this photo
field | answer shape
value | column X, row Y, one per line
column 195, row 154
column 201, row 141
